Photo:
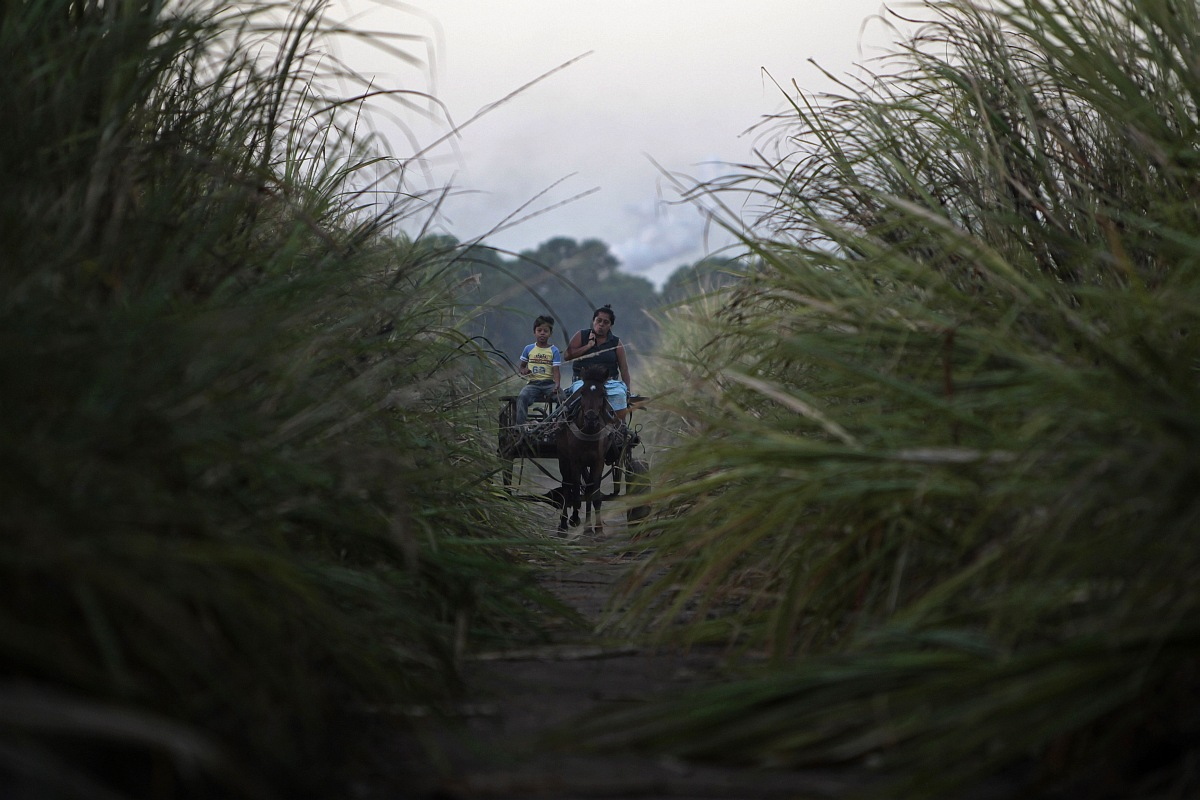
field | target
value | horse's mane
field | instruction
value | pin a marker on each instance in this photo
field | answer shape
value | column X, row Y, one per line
column 592, row 396
column 594, row 373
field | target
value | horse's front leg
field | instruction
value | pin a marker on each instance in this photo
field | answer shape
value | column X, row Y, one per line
column 594, row 495
column 573, row 492
column 563, row 502
column 568, row 500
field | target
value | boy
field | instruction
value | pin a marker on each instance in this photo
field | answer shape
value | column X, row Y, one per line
column 539, row 362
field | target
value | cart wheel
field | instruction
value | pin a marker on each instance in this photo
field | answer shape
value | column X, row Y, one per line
column 637, row 481
column 506, row 476
column 506, row 441
column 619, row 471
column 616, row 473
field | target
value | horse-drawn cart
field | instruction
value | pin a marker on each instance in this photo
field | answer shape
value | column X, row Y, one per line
column 537, row 440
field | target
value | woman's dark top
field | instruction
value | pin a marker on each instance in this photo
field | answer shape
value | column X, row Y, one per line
column 603, row 354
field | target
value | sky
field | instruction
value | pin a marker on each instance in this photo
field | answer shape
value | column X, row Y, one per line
column 653, row 94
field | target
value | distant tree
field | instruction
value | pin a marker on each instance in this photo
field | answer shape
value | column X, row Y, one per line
column 568, row 279
column 562, row 277
column 702, row 277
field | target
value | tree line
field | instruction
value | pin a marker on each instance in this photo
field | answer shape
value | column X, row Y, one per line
column 568, row 279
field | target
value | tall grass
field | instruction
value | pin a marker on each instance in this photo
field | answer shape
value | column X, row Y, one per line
column 945, row 464
column 245, row 498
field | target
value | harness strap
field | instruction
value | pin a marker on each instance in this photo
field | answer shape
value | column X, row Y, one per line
column 590, row 437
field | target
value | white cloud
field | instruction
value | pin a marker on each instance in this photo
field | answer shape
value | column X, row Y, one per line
column 676, row 81
column 664, row 237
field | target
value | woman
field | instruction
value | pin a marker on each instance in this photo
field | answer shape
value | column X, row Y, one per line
column 599, row 345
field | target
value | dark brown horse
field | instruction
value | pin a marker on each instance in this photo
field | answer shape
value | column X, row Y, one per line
column 581, row 443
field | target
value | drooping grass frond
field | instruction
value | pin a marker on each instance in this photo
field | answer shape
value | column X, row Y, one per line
column 244, row 500
column 959, row 403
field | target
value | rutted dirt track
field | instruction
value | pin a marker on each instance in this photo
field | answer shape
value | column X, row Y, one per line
column 504, row 744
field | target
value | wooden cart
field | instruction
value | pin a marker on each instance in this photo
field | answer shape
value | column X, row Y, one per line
column 536, row 442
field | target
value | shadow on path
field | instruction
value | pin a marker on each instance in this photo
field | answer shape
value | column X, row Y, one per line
column 510, row 740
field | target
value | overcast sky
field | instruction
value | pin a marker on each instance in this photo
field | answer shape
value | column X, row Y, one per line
column 677, row 82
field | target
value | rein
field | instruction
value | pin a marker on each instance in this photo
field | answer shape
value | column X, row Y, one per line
column 608, row 428
column 590, row 437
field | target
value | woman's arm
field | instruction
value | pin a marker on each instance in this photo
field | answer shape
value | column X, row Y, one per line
column 624, row 367
column 578, row 347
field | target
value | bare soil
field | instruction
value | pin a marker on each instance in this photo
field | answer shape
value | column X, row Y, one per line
column 512, row 736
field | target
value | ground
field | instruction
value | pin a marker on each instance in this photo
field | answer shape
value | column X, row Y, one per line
column 509, row 740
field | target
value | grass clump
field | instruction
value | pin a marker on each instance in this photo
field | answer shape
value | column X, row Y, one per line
column 245, row 500
column 945, row 458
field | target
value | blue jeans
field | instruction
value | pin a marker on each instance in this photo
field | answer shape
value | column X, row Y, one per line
column 530, row 394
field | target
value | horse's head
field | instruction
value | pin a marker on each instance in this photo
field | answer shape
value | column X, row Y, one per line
column 592, row 411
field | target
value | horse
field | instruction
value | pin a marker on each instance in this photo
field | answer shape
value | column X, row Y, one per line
column 581, row 444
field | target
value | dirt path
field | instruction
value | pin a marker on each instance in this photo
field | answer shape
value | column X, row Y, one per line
column 505, row 744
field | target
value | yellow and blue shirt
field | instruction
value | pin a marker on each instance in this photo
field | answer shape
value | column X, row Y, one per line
column 541, row 361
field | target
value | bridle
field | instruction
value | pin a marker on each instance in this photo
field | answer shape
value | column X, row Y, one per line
column 591, row 417
column 590, row 437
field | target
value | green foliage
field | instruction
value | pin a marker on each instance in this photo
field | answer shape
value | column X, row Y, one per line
column 565, row 279
column 246, row 494
column 945, row 464
column 702, row 279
